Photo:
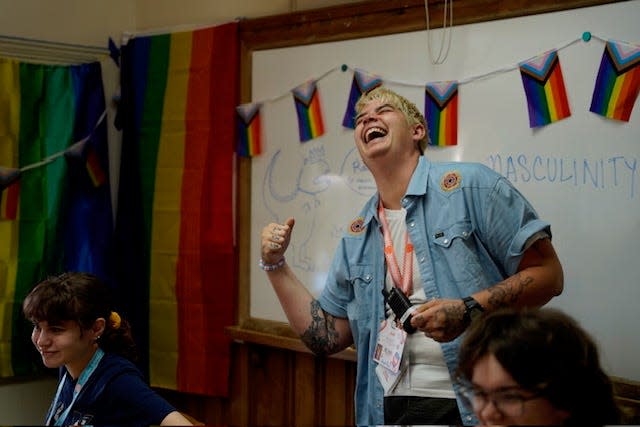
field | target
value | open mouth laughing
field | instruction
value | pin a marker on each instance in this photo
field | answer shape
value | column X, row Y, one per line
column 374, row 133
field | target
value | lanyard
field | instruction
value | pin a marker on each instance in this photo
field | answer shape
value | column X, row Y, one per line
column 402, row 280
column 82, row 380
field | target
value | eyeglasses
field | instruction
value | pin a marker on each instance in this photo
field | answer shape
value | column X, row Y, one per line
column 508, row 400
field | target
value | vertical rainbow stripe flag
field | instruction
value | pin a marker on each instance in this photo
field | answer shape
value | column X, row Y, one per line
column 544, row 86
column 174, row 228
column 61, row 224
column 249, row 130
column 441, row 112
column 307, row 101
column 362, row 82
column 618, row 81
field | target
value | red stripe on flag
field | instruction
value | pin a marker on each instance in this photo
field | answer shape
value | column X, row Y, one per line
column 9, row 201
column 559, row 93
column 452, row 121
column 628, row 94
column 189, row 282
column 218, row 250
column 205, row 282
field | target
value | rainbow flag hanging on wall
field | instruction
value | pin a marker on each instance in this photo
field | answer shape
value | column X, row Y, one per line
column 362, row 82
column 618, row 81
column 307, row 101
column 544, row 87
column 59, row 224
column 249, row 130
column 441, row 112
column 175, row 229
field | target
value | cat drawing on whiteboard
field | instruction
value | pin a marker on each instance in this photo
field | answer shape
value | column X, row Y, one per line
column 290, row 189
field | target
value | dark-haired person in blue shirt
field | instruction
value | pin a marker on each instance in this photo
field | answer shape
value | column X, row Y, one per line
column 75, row 329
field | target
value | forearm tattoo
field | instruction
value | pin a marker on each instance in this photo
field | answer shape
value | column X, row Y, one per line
column 450, row 317
column 321, row 336
column 507, row 293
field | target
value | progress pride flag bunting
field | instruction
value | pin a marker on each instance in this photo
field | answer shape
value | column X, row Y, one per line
column 248, row 125
column 544, row 87
column 441, row 113
column 618, row 81
column 9, row 192
column 307, row 101
column 362, row 82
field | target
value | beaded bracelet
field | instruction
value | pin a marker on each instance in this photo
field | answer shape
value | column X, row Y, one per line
column 271, row 267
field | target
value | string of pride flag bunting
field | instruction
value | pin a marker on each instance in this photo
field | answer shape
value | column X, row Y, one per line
column 614, row 95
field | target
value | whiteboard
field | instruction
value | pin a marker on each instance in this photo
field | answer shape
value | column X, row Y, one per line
column 580, row 173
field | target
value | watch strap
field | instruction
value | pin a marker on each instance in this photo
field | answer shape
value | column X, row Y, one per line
column 472, row 308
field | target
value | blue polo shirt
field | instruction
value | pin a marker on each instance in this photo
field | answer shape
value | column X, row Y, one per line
column 115, row 395
column 468, row 226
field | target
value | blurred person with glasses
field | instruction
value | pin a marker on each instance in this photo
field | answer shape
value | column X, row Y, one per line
column 534, row 367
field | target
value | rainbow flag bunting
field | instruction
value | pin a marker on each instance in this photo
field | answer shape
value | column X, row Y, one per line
column 9, row 193
column 544, row 87
column 618, row 81
column 362, row 82
column 249, row 130
column 83, row 155
column 59, row 223
column 441, row 112
column 175, row 247
column 8, row 176
column 307, row 102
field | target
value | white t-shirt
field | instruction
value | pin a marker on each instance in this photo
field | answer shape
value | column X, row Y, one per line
column 424, row 371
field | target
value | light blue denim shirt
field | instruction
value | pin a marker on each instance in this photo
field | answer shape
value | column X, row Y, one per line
column 469, row 227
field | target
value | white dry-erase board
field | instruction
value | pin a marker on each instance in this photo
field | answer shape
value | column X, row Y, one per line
column 582, row 173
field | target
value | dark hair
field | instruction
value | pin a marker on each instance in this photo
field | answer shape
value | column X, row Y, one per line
column 545, row 349
column 83, row 298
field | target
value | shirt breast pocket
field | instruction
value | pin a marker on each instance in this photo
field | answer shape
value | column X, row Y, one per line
column 361, row 278
column 457, row 251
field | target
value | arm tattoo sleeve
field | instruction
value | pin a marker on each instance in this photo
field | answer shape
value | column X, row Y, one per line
column 321, row 336
column 508, row 292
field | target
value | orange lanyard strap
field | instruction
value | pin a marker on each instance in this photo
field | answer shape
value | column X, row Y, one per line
column 404, row 279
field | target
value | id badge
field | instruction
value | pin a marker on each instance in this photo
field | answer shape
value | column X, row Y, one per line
column 390, row 345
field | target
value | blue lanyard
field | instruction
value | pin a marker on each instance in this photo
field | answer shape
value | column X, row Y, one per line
column 82, row 380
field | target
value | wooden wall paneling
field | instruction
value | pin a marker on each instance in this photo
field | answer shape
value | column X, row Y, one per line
column 270, row 392
column 306, row 390
column 239, row 384
column 338, row 385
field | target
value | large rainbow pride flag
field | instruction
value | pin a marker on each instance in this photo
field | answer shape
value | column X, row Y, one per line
column 60, row 220
column 174, row 228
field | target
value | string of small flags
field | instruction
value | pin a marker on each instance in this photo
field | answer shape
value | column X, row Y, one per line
column 614, row 95
column 81, row 155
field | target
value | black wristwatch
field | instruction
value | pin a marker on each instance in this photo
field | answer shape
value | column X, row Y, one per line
column 472, row 310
